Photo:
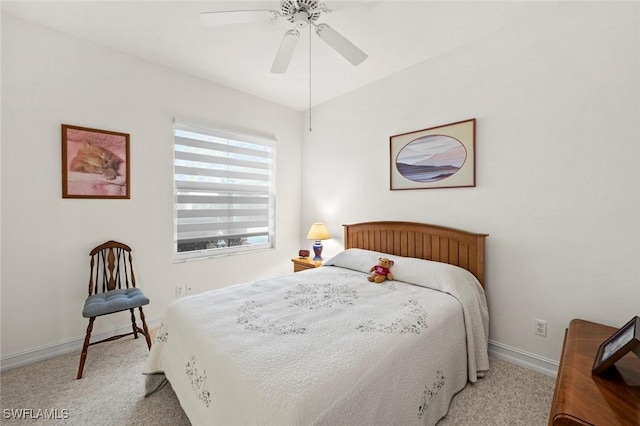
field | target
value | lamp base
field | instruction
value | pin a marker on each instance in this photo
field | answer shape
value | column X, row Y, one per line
column 317, row 250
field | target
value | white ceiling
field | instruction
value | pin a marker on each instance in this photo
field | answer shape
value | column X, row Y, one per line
column 395, row 35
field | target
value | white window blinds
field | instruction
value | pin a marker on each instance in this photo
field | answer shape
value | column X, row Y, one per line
column 224, row 191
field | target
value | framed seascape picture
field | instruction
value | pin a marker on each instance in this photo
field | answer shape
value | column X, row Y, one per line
column 95, row 163
column 437, row 157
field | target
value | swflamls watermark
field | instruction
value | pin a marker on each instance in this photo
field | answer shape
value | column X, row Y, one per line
column 35, row 413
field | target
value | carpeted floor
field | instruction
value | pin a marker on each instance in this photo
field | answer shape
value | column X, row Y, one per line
column 111, row 393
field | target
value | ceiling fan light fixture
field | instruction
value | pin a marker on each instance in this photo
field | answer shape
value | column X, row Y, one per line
column 340, row 44
column 301, row 19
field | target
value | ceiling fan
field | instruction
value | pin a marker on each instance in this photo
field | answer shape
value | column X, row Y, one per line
column 301, row 13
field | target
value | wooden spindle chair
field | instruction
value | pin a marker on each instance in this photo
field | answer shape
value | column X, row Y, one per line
column 112, row 288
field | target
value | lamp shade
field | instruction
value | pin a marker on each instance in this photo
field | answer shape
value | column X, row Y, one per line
column 318, row 231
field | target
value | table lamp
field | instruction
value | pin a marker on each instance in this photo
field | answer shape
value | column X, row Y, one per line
column 318, row 232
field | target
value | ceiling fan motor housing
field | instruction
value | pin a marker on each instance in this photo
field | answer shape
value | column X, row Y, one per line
column 300, row 12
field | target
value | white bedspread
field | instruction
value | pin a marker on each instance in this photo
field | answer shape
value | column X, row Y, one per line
column 323, row 346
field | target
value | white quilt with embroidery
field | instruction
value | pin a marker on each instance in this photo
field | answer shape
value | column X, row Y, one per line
column 324, row 346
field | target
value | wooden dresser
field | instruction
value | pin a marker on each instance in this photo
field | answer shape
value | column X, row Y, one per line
column 582, row 399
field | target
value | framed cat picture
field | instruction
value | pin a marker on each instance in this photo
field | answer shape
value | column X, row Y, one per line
column 95, row 163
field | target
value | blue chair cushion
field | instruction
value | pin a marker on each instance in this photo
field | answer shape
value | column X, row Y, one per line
column 113, row 301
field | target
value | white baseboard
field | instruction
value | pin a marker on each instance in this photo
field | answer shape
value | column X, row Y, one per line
column 524, row 359
column 10, row 362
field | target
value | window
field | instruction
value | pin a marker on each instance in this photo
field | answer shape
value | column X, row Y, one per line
column 224, row 192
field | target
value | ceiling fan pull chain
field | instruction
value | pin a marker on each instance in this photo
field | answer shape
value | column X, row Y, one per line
column 309, row 78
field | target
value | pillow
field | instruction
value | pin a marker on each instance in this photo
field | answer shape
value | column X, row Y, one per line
column 428, row 273
column 421, row 272
column 357, row 259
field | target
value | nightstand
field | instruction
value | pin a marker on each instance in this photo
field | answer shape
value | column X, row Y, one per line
column 583, row 399
column 303, row 263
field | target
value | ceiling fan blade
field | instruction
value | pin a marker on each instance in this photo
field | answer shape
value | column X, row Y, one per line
column 231, row 17
column 341, row 45
column 285, row 52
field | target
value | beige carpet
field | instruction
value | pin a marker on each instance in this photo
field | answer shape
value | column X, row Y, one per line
column 111, row 393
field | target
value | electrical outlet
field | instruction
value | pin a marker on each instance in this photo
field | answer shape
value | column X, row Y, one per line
column 540, row 327
column 179, row 290
column 189, row 289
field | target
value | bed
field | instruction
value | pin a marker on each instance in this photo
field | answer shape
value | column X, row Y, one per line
column 327, row 347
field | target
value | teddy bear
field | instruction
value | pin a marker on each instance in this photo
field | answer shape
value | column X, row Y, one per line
column 381, row 271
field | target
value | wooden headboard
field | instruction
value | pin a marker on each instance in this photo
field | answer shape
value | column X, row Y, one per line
column 423, row 241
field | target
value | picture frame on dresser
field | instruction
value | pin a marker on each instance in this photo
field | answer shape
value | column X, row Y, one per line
column 624, row 340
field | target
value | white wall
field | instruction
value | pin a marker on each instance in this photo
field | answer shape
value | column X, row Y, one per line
column 557, row 103
column 49, row 78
